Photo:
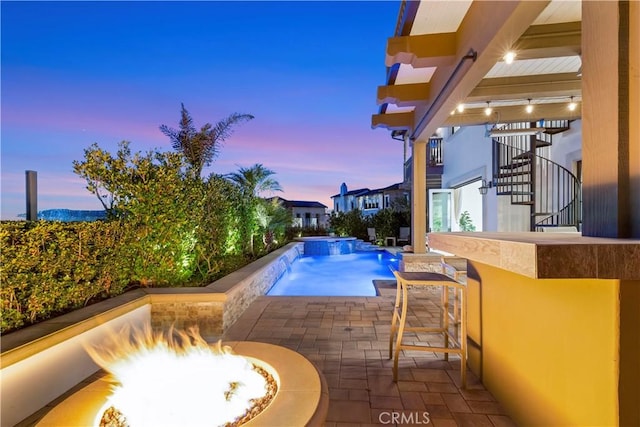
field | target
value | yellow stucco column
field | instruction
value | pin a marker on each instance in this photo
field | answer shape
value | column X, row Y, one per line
column 419, row 197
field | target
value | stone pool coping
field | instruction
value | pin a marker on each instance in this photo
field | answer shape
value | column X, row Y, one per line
column 34, row 356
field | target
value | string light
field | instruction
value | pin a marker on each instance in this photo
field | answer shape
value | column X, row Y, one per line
column 572, row 105
column 509, row 57
column 529, row 107
column 488, row 110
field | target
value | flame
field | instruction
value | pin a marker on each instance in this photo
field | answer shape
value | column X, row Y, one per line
column 177, row 378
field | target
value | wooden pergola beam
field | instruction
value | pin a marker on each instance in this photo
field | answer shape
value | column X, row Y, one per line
column 404, row 95
column 516, row 113
column 393, row 121
column 524, row 87
column 425, row 50
column 550, row 40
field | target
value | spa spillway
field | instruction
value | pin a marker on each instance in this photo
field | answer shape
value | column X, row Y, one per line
column 324, row 245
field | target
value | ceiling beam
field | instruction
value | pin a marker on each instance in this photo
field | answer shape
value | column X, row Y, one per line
column 524, row 87
column 550, row 41
column 405, row 95
column 425, row 50
column 516, row 113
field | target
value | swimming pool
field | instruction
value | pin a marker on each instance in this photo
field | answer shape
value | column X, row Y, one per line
column 335, row 275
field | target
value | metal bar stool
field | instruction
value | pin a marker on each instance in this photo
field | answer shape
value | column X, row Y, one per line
column 399, row 319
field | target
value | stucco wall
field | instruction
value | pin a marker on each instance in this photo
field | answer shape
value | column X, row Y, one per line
column 567, row 146
column 547, row 349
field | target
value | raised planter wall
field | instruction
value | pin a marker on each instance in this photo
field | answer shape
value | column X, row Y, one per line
column 41, row 362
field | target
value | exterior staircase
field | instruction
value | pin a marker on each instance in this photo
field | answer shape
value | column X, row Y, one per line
column 523, row 172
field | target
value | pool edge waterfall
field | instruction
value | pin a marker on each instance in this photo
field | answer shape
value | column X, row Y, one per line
column 324, row 245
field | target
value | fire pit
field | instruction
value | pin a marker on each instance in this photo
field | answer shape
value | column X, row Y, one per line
column 257, row 384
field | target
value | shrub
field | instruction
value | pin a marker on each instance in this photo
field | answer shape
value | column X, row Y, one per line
column 52, row 267
column 159, row 206
column 387, row 222
column 350, row 223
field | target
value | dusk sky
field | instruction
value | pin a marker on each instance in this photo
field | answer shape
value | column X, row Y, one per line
column 75, row 73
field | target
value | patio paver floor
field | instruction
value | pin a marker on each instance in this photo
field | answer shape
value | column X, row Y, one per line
column 347, row 339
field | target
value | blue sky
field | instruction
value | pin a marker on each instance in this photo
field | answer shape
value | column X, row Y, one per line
column 74, row 73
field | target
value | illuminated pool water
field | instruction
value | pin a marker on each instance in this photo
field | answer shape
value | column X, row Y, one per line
column 336, row 275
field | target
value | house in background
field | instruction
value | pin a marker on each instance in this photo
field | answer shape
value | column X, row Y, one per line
column 369, row 202
column 346, row 200
column 306, row 214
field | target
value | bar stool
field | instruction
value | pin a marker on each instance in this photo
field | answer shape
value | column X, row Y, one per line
column 399, row 319
column 456, row 268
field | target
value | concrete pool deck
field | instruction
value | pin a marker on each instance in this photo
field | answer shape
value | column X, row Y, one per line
column 347, row 339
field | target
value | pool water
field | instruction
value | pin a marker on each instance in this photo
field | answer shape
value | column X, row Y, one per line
column 335, row 275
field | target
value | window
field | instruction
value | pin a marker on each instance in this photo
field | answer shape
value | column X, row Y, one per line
column 371, row 203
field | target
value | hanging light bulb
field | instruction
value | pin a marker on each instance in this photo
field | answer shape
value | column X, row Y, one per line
column 529, row 107
column 460, row 108
column 509, row 57
column 572, row 105
column 488, row 110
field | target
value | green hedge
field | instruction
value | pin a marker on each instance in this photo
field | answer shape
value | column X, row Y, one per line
column 52, row 267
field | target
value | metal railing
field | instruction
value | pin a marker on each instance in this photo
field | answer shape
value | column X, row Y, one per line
column 434, row 153
column 552, row 191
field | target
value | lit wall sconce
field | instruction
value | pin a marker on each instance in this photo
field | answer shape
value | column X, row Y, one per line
column 485, row 187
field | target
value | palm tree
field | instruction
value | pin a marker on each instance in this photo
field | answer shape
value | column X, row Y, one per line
column 252, row 181
column 273, row 219
column 201, row 147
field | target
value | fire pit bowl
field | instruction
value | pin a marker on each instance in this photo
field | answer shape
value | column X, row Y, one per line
column 302, row 397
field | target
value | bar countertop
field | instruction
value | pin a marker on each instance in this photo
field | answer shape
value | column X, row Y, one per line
column 546, row 255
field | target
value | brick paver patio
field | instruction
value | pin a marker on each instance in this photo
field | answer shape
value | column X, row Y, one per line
column 347, row 339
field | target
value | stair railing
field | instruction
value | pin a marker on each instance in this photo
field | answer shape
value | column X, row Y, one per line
column 535, row 180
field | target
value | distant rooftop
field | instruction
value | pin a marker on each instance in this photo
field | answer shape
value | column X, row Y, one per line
column 357, row 192
column 300, row 203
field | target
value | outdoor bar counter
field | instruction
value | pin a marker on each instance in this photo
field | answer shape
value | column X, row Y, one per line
column 554, row 324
